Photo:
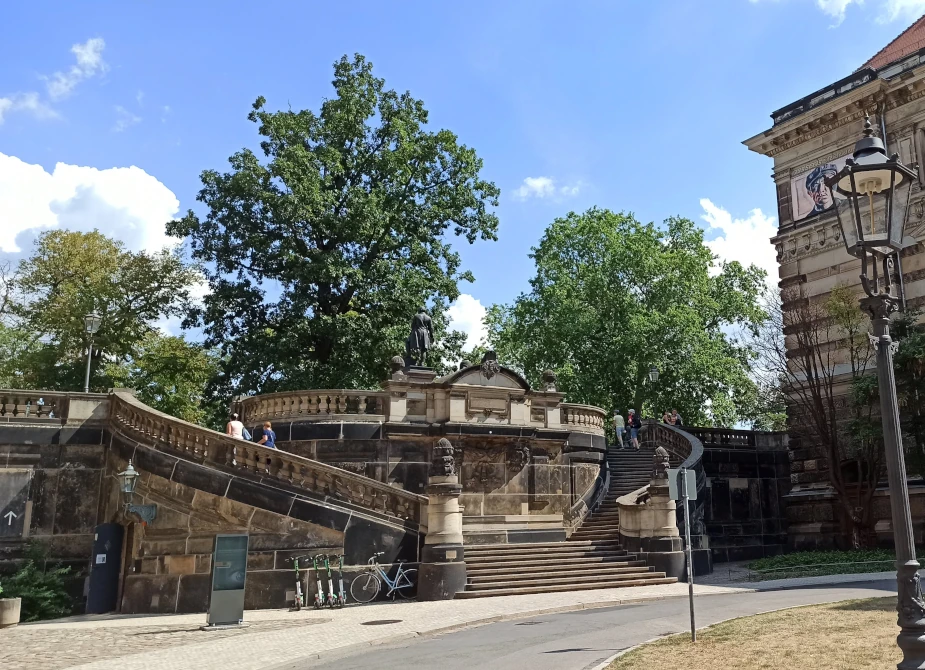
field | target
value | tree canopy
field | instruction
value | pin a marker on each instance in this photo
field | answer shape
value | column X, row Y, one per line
column 70, row 274
column 612, row 297
column 319, row 253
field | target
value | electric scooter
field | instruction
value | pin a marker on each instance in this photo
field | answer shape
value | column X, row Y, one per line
column 299, row 599
column 319, row 595
column 341, row 593
column 331, row 599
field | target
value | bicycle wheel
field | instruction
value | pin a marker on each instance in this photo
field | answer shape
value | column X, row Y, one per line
column 409, row 588
column 365, row 588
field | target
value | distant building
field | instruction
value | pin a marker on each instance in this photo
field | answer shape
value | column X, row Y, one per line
column 810, row 139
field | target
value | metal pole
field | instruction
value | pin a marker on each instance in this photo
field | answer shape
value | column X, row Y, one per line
column 910, row 605
column 89, row 355
column 689, row 561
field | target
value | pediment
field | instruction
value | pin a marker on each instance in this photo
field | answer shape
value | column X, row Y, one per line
column 478, row 375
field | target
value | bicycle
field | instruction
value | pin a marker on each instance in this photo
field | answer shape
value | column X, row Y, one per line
column 366, row 586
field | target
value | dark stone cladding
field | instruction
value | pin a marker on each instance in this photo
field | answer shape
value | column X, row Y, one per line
column 745, row 513
column 287, row 431
column 365, row 530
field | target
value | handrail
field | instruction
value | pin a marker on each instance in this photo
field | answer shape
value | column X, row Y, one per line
column 202, row 445
column 314, row 405
column 684, row 446
column 583, row 418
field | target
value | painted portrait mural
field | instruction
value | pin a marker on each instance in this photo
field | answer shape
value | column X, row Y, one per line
column 808, row 194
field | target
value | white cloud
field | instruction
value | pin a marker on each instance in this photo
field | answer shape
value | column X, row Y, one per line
column 901, row 9
column 125, row 203
column 139, row 98
column 27, row 102
column 124, row 119
column 466, row 314
column 745, row 240
column 89, row 63
column 545, row 187
column 836, row 8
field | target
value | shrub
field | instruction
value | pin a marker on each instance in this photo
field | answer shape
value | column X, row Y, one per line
column 43, row 590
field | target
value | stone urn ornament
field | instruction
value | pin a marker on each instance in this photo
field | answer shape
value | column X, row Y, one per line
column 9, row 610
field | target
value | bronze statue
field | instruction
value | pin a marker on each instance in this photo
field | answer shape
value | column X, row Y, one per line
column 421, row 339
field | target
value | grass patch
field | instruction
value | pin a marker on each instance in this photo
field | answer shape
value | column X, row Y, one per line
column 856, row 634
column 809, row 563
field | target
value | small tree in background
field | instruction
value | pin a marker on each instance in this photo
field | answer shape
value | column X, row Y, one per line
column 43, row 589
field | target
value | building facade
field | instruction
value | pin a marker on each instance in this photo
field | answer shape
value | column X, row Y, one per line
column 809, row 140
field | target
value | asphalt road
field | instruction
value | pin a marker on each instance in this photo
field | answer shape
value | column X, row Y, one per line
column 574, row 640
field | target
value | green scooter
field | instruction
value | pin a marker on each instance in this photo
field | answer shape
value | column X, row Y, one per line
column 319, row 594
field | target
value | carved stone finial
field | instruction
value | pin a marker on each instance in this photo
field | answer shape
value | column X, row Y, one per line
column 463, row 364
column 397, row 363
column 549, row 381
column 490, row 366
column 442, row 462
column 868, row 127
column 660, row 464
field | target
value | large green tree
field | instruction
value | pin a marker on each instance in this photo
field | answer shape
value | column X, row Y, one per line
column 612, row 297
column 320, row 251
column 70, row 274
column 169, row 374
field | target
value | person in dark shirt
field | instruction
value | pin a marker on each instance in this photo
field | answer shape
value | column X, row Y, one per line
column 268, row 439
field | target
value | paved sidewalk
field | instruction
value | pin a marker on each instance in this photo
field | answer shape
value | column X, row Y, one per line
column 174, row 642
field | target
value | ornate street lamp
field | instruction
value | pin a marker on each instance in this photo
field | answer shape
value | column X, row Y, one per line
column 871, row 195
column 653, row 374
column 91, row 325
column 128, row 480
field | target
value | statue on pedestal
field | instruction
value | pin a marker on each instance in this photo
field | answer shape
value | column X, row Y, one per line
column 421, row 339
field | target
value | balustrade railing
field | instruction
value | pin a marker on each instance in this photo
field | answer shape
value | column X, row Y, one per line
column 583, row 417
column 723, row 438
column 19, row 405
column 314, row 405
column 166, row 433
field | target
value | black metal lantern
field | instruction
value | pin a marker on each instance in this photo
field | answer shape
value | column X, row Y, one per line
column 871, row 198
column 653, row 374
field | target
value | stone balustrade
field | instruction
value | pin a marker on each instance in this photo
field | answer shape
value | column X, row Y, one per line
column 583, row 418
column 314, row 405
column 166, row 433
column 19, row 405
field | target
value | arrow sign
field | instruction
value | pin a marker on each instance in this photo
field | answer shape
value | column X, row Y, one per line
column 9, row 516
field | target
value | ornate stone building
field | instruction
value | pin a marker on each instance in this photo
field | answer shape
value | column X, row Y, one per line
column 809, row 140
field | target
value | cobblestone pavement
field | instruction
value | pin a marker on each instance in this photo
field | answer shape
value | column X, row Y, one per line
column 174, row 642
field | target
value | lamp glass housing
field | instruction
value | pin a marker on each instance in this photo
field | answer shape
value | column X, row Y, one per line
column 653, row 374
column 128, row 479
column 92, row 322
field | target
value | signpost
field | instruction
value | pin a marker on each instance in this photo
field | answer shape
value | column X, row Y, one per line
column 686, row 480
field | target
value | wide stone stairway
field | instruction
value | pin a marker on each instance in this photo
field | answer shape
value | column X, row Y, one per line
column 591, row 558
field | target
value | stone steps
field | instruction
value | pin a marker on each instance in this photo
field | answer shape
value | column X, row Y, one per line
column 565, row 579
column 588, row 563
column 549, row 588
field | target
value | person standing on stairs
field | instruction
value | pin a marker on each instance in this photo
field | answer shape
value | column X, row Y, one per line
column 619, row 427
column 635, row 425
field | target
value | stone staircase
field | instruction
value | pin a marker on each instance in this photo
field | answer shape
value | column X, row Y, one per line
column 590, row 559
column 629, row 470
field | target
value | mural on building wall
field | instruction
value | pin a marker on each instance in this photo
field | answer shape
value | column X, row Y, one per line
column 807, row 188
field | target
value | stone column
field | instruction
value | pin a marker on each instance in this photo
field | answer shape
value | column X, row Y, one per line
column 442, row 572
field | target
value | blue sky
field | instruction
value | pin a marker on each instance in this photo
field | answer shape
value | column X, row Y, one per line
column 109, row 111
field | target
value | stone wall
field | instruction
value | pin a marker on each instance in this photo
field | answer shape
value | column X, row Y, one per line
column 51, row 478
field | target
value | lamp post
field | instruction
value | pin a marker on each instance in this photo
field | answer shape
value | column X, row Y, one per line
column 871, row 197
column 128, row 479
column 653, row 378
column 91, row 325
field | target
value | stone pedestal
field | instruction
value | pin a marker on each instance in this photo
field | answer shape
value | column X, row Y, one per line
column 442, row 572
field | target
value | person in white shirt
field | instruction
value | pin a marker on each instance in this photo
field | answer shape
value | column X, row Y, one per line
column 619, row 427
column 235, row 428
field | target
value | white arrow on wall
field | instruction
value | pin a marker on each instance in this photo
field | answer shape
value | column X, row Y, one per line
column 9, row 516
